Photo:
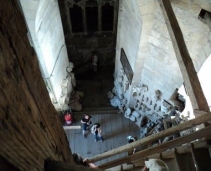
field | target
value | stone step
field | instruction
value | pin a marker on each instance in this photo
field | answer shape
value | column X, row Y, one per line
column 97, row 110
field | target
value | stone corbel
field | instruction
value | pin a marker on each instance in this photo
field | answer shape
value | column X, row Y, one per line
column 137, row 90
column 119, row 89
column 126, row 86
column 156, row 96
column 121, row 72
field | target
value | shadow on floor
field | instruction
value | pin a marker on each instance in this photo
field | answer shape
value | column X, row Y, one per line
column 95, row 86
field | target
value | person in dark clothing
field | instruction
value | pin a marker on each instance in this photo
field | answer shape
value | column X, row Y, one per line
column 94, row 61
column 86, row 122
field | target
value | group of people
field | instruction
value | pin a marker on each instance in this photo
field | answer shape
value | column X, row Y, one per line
column 95, row 128
column 150, row 165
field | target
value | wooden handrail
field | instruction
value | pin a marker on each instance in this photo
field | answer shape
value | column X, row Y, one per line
column 160, row 148
column 185, row 148
column 152, row 138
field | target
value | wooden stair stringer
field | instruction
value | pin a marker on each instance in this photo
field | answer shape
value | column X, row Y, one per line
column 170, row 153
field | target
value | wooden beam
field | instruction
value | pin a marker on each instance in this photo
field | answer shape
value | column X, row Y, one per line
column 170, row 153
column 154, row 137
column 71, row 127
column 160, row 148
column 61, row 166
column 173, row 143
column 30, row 128
column 189, row 74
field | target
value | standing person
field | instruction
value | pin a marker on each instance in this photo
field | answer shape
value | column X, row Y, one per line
column 86, row 122
column 96, row 130
column 130, row 140
column 68, row 117
column 94, row 61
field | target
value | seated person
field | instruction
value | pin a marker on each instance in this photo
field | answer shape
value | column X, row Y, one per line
column 83, row 162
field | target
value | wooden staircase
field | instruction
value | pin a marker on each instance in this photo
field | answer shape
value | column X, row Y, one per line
column 186, row 153
column 190, row 157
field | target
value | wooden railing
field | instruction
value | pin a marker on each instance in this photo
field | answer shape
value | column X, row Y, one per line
column 202, row 133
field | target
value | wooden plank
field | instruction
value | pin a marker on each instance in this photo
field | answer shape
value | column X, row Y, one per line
column 173, row 143
column 61, row 166
column 183, row 149
column 154, row 137
column 188, row 71
column 71, row 127
column 160, row 148
column 170, row 153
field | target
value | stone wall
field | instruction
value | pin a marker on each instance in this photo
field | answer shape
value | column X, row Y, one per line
column 150, row 51
column 81, row 43
column 47, row 37
column 128, row 38
column 31, row 130
column 80, row 47
column 161, row 70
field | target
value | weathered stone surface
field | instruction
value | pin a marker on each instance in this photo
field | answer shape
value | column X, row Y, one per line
column 30, row 128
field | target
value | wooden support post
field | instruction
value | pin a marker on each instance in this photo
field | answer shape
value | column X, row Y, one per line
column 30, row 128
column 154, row 137
column 190, row 77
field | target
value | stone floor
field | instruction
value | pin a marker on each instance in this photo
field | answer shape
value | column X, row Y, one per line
column 115, row 126
column 95, row 85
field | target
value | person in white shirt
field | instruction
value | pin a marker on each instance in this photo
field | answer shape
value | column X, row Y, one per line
column 94, row 61
column 96, row 130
